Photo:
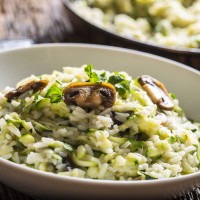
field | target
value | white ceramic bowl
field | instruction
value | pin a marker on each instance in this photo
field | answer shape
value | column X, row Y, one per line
column 179, row 79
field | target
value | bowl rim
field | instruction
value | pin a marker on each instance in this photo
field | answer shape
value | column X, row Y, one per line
column 50, row 175
column 157, row 46
column 102, row 47
column 57, row 177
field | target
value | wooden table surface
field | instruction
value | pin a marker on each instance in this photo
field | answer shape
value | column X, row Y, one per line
column 58, row 29
column 7, row 193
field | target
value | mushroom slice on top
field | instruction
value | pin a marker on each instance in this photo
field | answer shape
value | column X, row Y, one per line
column 90, row 95
column 156, row 91
column 33, row 85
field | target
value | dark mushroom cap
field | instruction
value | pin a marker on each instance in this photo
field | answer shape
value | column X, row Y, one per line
column 90, row 95
column 156, row 91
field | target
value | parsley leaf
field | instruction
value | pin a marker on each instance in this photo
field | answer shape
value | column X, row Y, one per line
column 103, row 76
column 116, row 78
column 93, row 76
column 194, row 130
column 121, row 84
column 88, row 70
column 54, row 94
column 172, row 96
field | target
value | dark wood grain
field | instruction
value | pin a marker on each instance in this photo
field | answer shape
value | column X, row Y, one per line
column 39, row 20
column 7, row 193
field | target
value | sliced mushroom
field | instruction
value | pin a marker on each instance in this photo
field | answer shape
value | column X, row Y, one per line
column 90, row 95
column 33, row 85
column 157, row 92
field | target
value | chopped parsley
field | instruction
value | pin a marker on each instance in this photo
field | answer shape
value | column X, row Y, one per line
column 120, row 82
column 54, row 94
column 194, row 130
column 172, row 95
column 93, row 76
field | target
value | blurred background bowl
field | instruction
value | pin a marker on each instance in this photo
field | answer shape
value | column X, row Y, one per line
column 91, row 33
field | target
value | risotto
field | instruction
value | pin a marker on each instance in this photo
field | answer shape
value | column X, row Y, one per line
column 172, row 23
column 97, row 124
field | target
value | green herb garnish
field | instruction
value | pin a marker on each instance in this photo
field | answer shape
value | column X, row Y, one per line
column 121, row 84
column 194, row 130
column 93, row 76
column 54, row 94
column 172, row 96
